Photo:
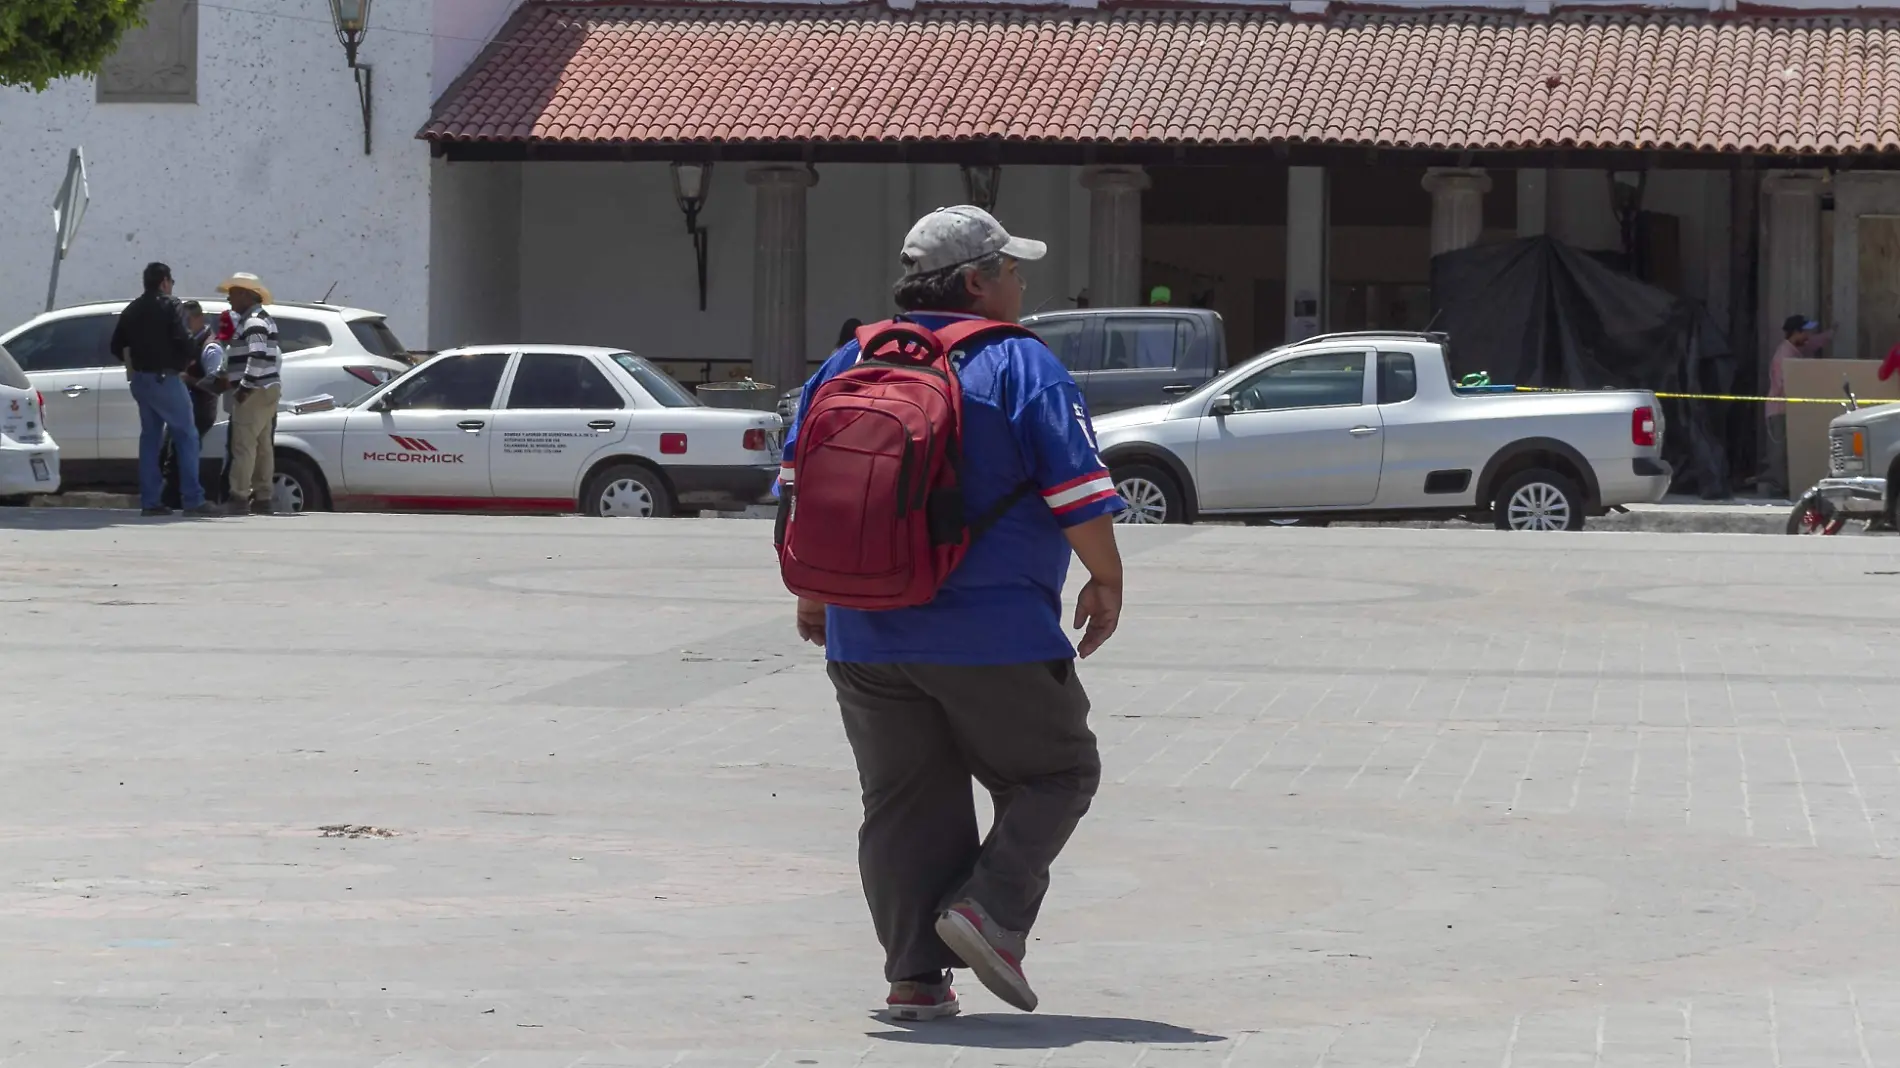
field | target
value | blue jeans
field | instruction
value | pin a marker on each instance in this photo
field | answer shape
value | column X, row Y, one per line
column 165, row 406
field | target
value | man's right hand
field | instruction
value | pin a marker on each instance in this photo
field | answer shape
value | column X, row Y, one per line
column 811, row 622
column 1098, row 609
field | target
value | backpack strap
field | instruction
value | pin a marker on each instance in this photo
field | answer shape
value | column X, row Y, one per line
column 961, row 332
column 957, row 335
column 995, row 512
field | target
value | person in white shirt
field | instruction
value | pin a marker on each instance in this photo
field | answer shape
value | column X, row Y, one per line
column 202, row 376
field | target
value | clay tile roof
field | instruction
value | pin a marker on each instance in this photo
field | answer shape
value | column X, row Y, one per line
column 731, row 73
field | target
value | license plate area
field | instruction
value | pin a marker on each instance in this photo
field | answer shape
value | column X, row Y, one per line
column 40, row 470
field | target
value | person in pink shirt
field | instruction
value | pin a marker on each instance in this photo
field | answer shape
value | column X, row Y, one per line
column 1804, row 339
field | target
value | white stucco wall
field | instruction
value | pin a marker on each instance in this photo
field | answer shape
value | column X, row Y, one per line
column 265, row 173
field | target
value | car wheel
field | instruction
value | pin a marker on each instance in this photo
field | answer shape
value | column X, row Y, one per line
column 627, row 491
column 297, row 486
column 1151, row 494
column 1539, row 500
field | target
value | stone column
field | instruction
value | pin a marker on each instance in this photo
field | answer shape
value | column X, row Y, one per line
column 1791, row 260
column 1457, row 207
column 778, row 273
column 1307, row 229
column 1114, row 235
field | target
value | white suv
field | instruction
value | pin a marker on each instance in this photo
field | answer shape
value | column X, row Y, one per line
column 344, row 352
column 29, row 458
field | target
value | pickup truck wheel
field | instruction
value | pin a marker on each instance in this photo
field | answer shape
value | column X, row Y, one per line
column 1539, row 500
column 627, row 491
column 1151, row 493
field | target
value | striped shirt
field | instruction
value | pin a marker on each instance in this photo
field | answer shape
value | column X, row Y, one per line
column 253, row 358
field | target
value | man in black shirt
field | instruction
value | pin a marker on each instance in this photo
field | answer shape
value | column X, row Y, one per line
column 151, row 340
column 204, row 380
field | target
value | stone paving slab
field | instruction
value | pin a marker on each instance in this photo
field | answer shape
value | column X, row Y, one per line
column 1375, row 797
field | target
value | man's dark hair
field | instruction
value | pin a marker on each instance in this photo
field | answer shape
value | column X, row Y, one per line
column 943, row 290
column 155, row 275
column 191, row 308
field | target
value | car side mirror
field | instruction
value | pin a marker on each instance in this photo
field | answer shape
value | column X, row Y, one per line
column 381, row 404
column 1223, row 405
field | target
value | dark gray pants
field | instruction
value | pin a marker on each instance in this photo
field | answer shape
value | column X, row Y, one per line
column 920, row 733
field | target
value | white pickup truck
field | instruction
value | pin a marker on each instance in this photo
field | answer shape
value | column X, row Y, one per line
column 1371, row 426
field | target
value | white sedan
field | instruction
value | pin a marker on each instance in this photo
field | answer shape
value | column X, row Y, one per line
column 528, row 428
column 29, row 458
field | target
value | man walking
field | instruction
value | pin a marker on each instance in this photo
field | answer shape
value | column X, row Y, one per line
column 979, row 682
column 251, row 370
column 151, row 340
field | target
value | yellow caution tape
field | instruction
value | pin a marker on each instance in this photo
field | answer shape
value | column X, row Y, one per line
column 1863, row 402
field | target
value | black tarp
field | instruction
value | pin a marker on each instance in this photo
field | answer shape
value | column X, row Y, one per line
column 1537, row 312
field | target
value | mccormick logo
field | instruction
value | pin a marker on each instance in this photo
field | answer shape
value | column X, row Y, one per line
column 414, row 451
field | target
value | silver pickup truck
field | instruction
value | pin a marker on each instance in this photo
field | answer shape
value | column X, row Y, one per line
column 1371, row 426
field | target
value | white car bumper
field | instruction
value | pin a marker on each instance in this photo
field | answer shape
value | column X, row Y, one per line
column 28, row 468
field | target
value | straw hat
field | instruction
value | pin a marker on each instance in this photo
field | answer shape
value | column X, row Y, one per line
column 246, row 280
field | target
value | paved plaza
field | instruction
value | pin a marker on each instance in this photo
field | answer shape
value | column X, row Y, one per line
column 1373, row 797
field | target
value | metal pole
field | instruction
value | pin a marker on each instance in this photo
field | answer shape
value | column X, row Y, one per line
column 52, row 287
column 363, row 87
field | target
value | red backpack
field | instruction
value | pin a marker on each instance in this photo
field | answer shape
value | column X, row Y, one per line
column 873, row 516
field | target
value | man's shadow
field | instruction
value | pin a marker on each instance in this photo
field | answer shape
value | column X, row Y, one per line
column 1026, row 1031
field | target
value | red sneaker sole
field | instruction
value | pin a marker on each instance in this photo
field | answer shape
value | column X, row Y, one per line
column 967, row 942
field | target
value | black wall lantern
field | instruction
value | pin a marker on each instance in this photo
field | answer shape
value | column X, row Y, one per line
column 352, row 25
column 981, row 184
column 691, row 183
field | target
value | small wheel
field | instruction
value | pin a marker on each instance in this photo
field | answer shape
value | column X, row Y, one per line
column 1538, row 499
column 297, row 486
column 1151, row 494
column 627, row 491
column 1812, row 515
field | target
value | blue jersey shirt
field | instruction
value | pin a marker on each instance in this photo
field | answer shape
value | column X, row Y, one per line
column 1023, row 420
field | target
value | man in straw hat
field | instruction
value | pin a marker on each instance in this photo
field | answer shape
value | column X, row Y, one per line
column 251, row 368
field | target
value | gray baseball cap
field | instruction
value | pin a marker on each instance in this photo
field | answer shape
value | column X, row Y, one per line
column 950, row 237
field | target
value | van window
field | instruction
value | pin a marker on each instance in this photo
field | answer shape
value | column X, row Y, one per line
column 1065, row 338
column 1144, row 344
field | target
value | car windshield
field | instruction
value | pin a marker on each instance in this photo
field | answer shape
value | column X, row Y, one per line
column 658, row 384
column 378, row 339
